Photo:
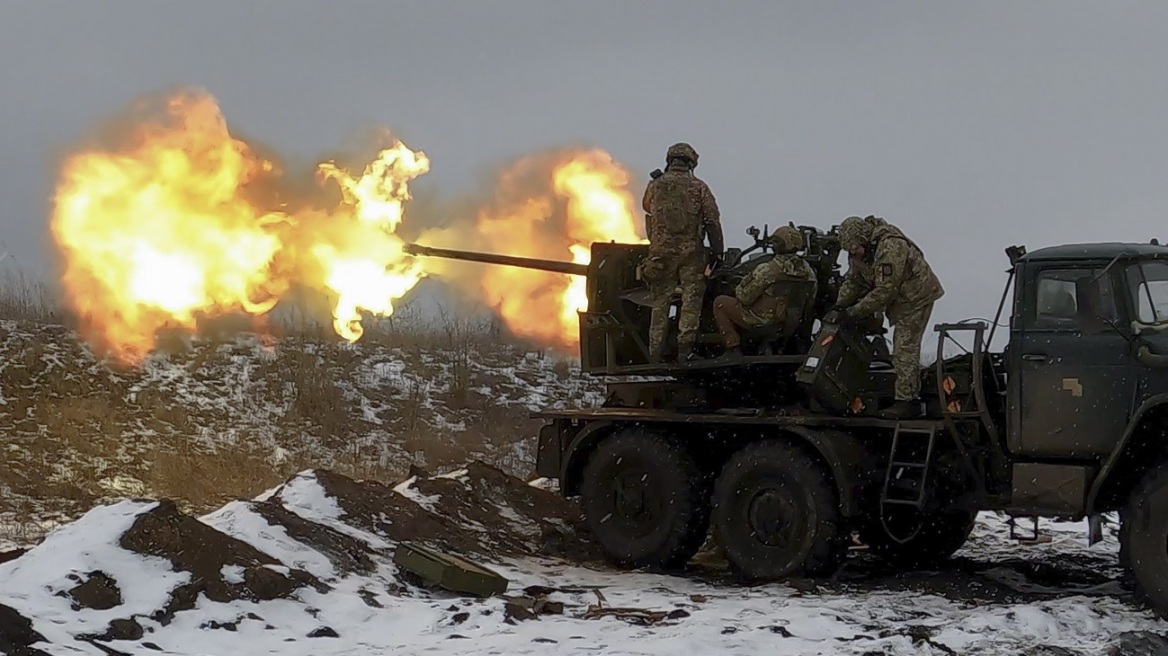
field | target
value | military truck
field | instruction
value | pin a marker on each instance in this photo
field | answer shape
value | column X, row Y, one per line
column 781, row 455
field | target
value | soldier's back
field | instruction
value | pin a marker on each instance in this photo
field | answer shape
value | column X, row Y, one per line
column 676, row 205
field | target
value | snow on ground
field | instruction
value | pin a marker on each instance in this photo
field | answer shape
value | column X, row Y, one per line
column 326, row 544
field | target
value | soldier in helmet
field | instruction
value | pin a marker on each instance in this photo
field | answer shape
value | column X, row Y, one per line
column 759, row 298
column 888, row 273
column 680, row 212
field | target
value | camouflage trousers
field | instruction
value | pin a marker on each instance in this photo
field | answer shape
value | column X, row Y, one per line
column 907, row 335
column 665, row 274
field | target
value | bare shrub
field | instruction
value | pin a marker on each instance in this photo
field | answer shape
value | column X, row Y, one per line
column 316, row 398
column 24, row 298
column 205, row 478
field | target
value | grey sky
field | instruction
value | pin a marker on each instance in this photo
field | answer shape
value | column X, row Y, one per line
column 972, row 126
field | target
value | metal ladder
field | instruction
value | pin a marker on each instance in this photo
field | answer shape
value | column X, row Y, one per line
column 907, row 477
column 966, row 411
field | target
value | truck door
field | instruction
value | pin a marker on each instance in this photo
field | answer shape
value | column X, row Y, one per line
column 1073, row 387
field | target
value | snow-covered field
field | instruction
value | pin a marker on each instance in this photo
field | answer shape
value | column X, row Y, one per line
column 307, row 568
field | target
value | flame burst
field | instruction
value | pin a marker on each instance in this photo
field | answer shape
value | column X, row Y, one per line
column 177, row 221
column 162, row 230
column 548, row 206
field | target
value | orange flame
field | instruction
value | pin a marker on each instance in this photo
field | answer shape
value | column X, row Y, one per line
column 547, row 206
column 177, row 223
column 161, row 231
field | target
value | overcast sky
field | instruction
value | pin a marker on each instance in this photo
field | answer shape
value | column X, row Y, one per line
column 972, row 126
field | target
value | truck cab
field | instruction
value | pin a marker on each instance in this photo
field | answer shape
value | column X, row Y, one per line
column 1086, row 363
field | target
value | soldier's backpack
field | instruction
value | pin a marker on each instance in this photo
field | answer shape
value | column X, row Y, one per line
column 673, row 222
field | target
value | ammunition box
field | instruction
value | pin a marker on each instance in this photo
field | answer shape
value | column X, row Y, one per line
column 448, row 571
column 836, row 370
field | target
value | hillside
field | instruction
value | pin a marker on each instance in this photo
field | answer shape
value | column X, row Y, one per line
column 307, row 568
column 296, row 466
column 215, row 420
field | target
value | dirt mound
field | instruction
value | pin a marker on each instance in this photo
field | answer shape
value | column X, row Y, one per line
column 212, row 558
column 17, row 634
column 533, row 520
column 377, row 508
column 479, row 511
column 347, row 554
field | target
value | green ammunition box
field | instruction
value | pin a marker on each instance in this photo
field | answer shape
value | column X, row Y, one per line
column 836, row 371
column 448, row 571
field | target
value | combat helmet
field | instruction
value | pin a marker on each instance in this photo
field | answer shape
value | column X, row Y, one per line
column 854, row 232
column 684, row 151
column 786, row 239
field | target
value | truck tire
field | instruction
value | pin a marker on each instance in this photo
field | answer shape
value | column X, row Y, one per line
column 1144, row 539
column 938, row 538
column 645, row 500
column 776, row 514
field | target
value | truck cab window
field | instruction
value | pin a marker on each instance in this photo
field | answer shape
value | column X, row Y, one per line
column 1148, row 284
column 1072, row 299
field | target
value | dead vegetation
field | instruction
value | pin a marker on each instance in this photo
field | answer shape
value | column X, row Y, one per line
column 230, row 414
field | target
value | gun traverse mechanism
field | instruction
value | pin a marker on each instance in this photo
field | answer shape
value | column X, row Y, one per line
column 555, row 266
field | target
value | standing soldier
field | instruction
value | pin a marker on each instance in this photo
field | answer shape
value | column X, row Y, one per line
column 680, row 212
column 758, row 299
column 888, row 273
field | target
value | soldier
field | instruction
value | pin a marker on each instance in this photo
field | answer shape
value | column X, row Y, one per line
column 888, row 273
column 680, row 212
column 758, row 299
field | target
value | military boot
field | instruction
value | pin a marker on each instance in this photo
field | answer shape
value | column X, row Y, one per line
column 902, row 410
column 731, row 354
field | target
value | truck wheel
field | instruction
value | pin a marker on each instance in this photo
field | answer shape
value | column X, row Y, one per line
column 1144, row 539
column 776, row 514
column 645, row 500
column 934, row 538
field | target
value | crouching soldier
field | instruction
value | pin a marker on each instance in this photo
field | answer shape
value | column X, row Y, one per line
column 888, row 273
column 762, row 298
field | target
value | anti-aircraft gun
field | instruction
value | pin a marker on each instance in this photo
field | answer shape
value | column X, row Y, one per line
column 614, row 330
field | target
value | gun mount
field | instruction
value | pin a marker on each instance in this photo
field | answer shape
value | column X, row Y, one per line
column 614, row 329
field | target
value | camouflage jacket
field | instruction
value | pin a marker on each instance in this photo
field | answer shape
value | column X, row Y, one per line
column 680, row 211
column 893, row 278
column 761, row 282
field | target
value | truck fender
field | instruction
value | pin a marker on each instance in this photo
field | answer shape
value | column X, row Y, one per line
column 843, row 453
column 1116, row 454
column 574, row 457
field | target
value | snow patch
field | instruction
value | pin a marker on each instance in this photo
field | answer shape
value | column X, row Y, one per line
column 37, row 584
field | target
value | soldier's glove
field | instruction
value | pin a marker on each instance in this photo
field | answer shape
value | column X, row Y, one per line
column 715, row 260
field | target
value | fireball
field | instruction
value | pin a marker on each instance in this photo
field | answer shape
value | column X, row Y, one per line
column 161, row 230
column 548, row 206
column 175, row 220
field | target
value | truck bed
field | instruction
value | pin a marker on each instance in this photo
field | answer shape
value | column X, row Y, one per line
column 772, row 418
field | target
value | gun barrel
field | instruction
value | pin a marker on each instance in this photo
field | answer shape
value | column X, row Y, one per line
column 555, row 266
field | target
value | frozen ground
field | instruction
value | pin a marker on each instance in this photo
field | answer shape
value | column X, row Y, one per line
column 218, row 417
column 307, row 569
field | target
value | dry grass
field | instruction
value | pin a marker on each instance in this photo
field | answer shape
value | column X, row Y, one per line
column 316, row 398
column 204, row 479
column 91, row 417
column 24, row 298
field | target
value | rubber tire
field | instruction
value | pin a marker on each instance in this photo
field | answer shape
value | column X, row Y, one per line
column 821, row 545
column 672, row 481
column 935, row 543
column 1144, row 539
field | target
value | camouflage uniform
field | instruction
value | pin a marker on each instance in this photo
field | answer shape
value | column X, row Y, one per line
column 757, row 299
column 892, row 277
column 680, row 210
